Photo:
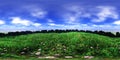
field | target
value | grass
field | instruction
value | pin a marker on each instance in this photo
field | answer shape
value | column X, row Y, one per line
column 66, row 44
column 32, row 58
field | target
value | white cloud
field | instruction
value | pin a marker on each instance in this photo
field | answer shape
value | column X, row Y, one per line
column 35, row 11
column 50, row 20
column 117, row 22
column 25, row 22
column 74, row 14
column 38, row 13
column 36, row 24
column 2, row 22
column 8, row 28
column 18, row 20
column 104, row 13
column 101, row 26
column 72, row 17
column 52, row 24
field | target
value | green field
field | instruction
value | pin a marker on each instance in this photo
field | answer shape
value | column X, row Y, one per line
column 76, row 44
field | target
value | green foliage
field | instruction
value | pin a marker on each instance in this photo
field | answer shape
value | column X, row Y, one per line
column 72, row 43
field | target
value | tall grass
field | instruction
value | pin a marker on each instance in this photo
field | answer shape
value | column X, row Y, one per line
column 73, row 43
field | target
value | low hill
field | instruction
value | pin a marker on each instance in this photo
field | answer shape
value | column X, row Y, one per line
column 72, row 43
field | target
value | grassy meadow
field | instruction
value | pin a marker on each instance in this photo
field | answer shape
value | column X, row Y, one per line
column 75, row 44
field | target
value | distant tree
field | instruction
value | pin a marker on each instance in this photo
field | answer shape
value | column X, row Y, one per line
column 88, row 31
column 57, row 31
column 117, row 34
column 67, row 30
column 63, row 31
column 37, row 31
column 2, row 34
column 51, row 31
column 96, row 32
column 101, row 32
column 43, row 31
column 109, row 34
column 60, row 31
column 82, row 31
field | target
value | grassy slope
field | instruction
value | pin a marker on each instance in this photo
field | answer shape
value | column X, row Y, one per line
column 72, row 43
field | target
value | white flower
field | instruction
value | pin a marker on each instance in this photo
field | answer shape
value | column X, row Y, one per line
column 91, row 47
column 37, row 53
column 39, row 49
column 88, row 57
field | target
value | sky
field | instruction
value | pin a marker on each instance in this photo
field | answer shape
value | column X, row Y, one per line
column 22, row 15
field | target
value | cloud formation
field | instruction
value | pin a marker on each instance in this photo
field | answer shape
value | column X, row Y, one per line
column 39, row 13
column 73, row 14
column 59, row 14
column 117, row 22
column 105, row 12
column 2, row 22
column 24, row 22
column 17, row 20
column 36, row 24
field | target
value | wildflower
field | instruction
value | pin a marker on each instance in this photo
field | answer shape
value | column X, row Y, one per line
column 37, row 53
column 5, row 50
column 50, row 57
column 91, row 47
column 2, row 53
column 22, row 53
column 39, row 49
column 88, row 57
column 68, row 57
column 25, row 49
column 57, row 55
column 64, row 49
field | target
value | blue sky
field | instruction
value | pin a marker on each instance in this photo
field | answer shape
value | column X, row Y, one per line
column 18, row 15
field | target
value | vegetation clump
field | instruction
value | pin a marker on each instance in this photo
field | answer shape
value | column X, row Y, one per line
column 60, row 44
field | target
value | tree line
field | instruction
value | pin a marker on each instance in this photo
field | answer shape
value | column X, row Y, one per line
column 110, row 34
